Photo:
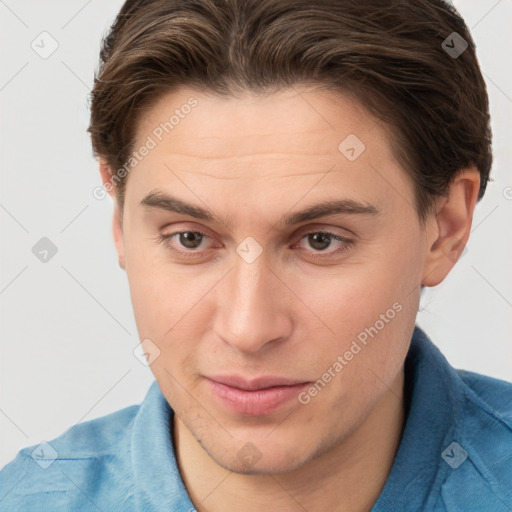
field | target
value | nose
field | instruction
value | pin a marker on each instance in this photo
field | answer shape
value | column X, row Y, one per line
column 253, row 308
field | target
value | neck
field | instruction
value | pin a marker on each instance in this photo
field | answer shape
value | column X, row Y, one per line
column 349, row 477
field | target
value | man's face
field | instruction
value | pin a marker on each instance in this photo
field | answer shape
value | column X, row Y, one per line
column 252, row 288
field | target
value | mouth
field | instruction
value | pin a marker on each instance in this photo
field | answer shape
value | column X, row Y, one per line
column 254, row 397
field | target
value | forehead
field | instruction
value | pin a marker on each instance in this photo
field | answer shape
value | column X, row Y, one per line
column 290, row 138
column 285, row 118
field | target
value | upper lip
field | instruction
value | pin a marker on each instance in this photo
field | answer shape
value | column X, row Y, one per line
column 263, row 382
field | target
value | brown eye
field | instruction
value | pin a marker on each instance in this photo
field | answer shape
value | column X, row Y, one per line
column 190, row 239
column 319, row 241
column 323, row 244
column 186, row 243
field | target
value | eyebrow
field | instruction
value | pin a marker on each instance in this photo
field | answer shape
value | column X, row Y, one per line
column 156, row 199
column 345, row 206
column 159, row 200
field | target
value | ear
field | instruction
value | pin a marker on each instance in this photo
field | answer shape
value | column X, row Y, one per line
column 449, row 226
column 117, row 225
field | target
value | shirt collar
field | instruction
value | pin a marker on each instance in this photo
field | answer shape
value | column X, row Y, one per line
column 158, row 483
column 434, row 395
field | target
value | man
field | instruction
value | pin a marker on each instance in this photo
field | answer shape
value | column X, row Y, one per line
column 287, row 177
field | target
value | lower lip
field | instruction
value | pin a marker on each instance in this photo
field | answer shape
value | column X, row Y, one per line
column 256, row 402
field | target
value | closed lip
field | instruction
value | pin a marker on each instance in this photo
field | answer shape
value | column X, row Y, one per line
column 256, row 383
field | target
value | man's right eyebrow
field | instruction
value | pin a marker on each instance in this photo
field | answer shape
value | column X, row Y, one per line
column 160, row 200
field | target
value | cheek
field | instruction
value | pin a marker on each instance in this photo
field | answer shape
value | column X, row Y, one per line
column 368, row 311
column 170, row 307
column 159, row 293
column 164, row 314
column 355, row 298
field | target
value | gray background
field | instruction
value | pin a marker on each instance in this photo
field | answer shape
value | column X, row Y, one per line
column 67, row 329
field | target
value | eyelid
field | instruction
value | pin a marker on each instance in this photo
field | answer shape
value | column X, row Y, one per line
column 186, row 226
column 324, row 228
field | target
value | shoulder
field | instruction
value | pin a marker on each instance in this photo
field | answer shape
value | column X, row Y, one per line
column 89, row 460
column 480, row 455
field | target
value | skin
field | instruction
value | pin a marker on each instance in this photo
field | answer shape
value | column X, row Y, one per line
column 250, row 160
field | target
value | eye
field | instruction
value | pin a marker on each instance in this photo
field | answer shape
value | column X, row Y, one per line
column 185, row 243
column 190, row 239
column 324, row 242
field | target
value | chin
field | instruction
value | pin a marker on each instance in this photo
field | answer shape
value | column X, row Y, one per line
column 264, row 459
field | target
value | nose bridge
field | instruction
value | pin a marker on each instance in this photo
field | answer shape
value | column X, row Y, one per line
column 253, row 311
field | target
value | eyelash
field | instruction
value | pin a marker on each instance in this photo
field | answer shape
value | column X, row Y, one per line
column 347, row 243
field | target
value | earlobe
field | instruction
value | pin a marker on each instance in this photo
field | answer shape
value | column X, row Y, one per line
column 449, row 228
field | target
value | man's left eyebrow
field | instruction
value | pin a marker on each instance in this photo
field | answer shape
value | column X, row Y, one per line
column 342, row 206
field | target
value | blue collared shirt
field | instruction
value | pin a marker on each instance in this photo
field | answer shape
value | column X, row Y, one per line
column 455, row 453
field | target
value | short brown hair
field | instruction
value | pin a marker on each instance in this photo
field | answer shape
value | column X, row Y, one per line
column 390, row 55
